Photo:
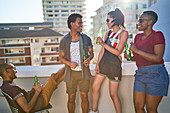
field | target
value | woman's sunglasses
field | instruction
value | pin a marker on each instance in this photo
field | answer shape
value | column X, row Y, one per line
column 108, row 19
column 142, row 20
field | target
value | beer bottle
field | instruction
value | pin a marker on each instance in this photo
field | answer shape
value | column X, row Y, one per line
column 36, row 80
column 99, row 34
column 84, row 56
column 128, row 51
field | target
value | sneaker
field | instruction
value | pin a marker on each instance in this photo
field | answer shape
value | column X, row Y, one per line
column 90, row 111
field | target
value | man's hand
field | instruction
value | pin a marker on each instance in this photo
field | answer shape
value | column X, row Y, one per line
column 38, row 88
column 86, row 62
column 73, row 65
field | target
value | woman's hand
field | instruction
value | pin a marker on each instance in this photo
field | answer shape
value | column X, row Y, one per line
column 97, row 69
column 133, row 47
column 126, row 55
column 100, row 40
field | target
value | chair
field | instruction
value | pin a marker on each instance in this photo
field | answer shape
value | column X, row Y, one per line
column 15, row 108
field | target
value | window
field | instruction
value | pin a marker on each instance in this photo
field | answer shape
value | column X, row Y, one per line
column 64, row 6
column 48, row 6
column 137, row 16
column 136, row 26
column 130, row 36
column 42, row 50
column 72, row 10
column 64, row 15
column 72, row 6
column 144, row 6
column 64, row 10
column 50, row 20
column 49, row 11
column 56, row 11
column 50, row 15
column 36, row 40
column 43, row 59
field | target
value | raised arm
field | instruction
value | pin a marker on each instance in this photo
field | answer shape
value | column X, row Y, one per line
column 22, row 102
column 117, row 51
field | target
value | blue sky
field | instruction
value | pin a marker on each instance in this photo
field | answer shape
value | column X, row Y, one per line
column 17, row 11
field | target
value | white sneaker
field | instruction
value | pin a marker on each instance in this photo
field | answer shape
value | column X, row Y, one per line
column 90, row 111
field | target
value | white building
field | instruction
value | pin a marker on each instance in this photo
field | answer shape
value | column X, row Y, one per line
column 57, row 11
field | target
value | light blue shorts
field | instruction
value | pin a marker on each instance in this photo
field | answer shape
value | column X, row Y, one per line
column 152, row 80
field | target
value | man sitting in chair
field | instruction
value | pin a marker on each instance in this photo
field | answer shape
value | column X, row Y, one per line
column 35, row 99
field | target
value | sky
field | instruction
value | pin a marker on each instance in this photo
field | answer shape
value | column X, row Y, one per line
column 19, row 11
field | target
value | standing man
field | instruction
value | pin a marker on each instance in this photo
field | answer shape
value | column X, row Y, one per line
column 77, row 71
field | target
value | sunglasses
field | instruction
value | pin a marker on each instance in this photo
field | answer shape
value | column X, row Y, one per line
column 12, row 68
column 142, row 20
column 108, row 19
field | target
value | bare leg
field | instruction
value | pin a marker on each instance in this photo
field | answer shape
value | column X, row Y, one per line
column 84, row 102
column 59, row 76
column 152, row 103
column 139, row 101
column 71, row 103
column 98, row 80
column 113, row 88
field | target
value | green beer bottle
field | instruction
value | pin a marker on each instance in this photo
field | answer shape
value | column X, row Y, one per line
column 128, row 51
column 84, row 56
column 99, row 34
column 36, row 80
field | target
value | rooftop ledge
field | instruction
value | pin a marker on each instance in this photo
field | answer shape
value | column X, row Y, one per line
column 45, row 71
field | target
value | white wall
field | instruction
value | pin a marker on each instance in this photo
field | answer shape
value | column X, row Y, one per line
column 162, row 8
column 59, row 98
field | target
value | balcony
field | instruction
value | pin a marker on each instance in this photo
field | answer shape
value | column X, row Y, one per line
column 59, row 98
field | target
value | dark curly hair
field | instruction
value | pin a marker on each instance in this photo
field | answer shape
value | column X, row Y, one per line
column 72, row 18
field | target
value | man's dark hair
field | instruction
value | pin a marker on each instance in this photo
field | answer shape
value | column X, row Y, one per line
column 72, row 18
column 152, row 14
column 3, row 67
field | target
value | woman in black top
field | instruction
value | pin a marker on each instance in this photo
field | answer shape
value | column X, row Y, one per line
column 109, row 61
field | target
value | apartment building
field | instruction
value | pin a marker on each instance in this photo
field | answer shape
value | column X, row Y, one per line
column 131, row 9
column 57, row 11
column 30, row 47
column 26, row 26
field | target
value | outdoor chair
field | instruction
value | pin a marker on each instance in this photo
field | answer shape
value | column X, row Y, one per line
column 15, row 108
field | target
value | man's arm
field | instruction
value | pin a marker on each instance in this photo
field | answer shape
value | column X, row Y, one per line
column 64, row 61
column 22, row 102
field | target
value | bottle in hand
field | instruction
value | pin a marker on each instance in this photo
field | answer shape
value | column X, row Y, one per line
column 36, row 80
column 128, row 51
column 99, row 34
column 84, row 56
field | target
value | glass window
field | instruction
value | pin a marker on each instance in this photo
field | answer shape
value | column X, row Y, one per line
column 72, row 10
column 56, row 11
column 49, row 11
column 36, row 40
column 48, row 6
column 64, row 10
